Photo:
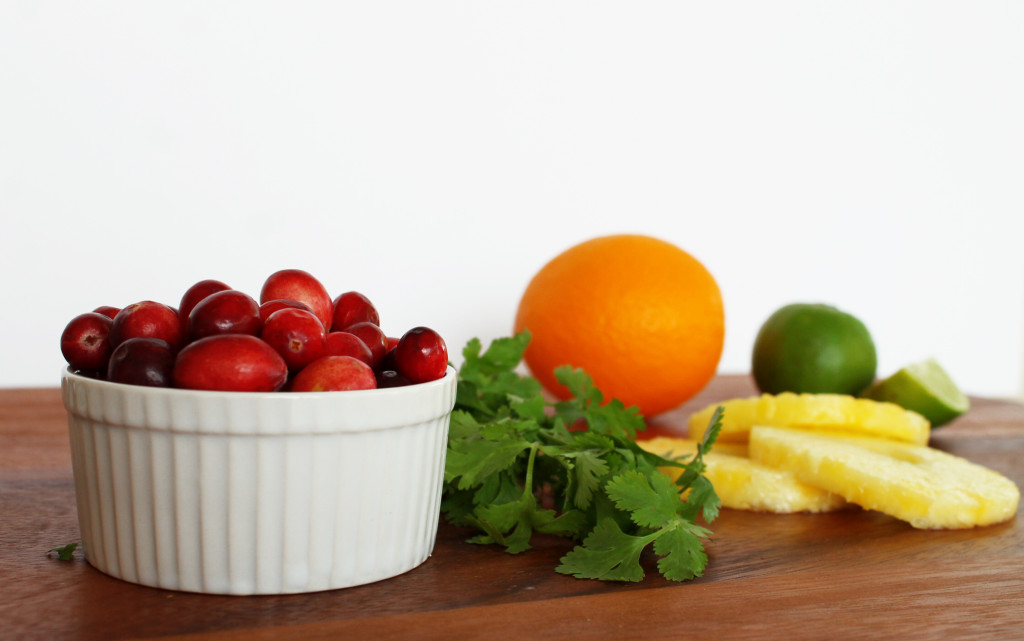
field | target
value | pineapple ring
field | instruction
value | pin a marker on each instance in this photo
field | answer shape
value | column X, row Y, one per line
column 926, row 487
column 831, row 412
column 743, row 484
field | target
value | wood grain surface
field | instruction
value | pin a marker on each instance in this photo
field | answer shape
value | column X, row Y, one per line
column 847, row 575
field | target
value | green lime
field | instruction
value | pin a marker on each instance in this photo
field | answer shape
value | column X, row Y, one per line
column 813, row 348
column 925, row 388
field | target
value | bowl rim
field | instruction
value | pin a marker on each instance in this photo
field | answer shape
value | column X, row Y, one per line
column 69, row 375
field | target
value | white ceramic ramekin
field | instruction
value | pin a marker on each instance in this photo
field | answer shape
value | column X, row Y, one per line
column 252, row 493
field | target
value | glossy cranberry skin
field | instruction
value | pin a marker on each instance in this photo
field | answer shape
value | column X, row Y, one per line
column 271, row 306
column 296, row 284
column 388, row 362
column 225, row 312
column 391, row 378
column 351, row 308
column 421, row 355
column 196, row 293
column 374, row 338
column 334, row 374
column 107, row 310
column 297, row 335
column 85, row 342
column 347, row 344
column 142, row 361
column 147, row 319
column 230, row 363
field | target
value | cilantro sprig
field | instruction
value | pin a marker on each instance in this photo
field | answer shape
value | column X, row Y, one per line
column 518, row 464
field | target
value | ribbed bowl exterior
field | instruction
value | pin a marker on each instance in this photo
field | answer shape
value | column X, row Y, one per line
column 249, row 493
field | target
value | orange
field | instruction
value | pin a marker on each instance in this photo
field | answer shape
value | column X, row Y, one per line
column 641, row 316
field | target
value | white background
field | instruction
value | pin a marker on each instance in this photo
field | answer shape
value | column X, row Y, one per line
column 434, row 155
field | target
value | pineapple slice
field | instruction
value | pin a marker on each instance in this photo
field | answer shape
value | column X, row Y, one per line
column 926, row 487
column 831, row 412
column 743, row 484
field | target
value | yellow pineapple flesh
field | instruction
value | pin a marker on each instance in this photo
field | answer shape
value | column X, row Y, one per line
column 923, row 486
column 827, row 412
column 744, row 484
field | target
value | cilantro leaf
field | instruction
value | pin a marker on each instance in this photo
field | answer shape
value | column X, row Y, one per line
column 607, row 553
column 488, row 379
column 681, row 551
column 588, row 468
column 471, row 461
column 534, row 408
column 650, row 501
column 588, row 405
column 580, row 385
column 509, row 524
column 703, row 499
column 714, row 427
column 64, row 552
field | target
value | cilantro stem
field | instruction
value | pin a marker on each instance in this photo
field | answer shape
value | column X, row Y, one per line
column 528, row 480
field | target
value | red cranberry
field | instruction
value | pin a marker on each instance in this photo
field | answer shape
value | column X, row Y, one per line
column 351, row 308
column 271, row 306
column 295, row 284
column 346, row 344
column 374, row 338
column 388, row 362
column 107, row 310
column 142, row 361
column 225, row 312
column 230, row 362
column 297, row 335
column 391, row 378
column 147, row 319
column 196, row 293
column 421, row 355
column 334, row 374
column 85, row 342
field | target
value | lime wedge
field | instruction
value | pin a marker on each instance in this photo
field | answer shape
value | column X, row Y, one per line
column 924, row 388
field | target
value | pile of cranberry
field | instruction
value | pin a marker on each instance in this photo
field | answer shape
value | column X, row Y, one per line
column 296, row 338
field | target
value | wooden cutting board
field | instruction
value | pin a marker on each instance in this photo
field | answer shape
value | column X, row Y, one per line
column 852, row 574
